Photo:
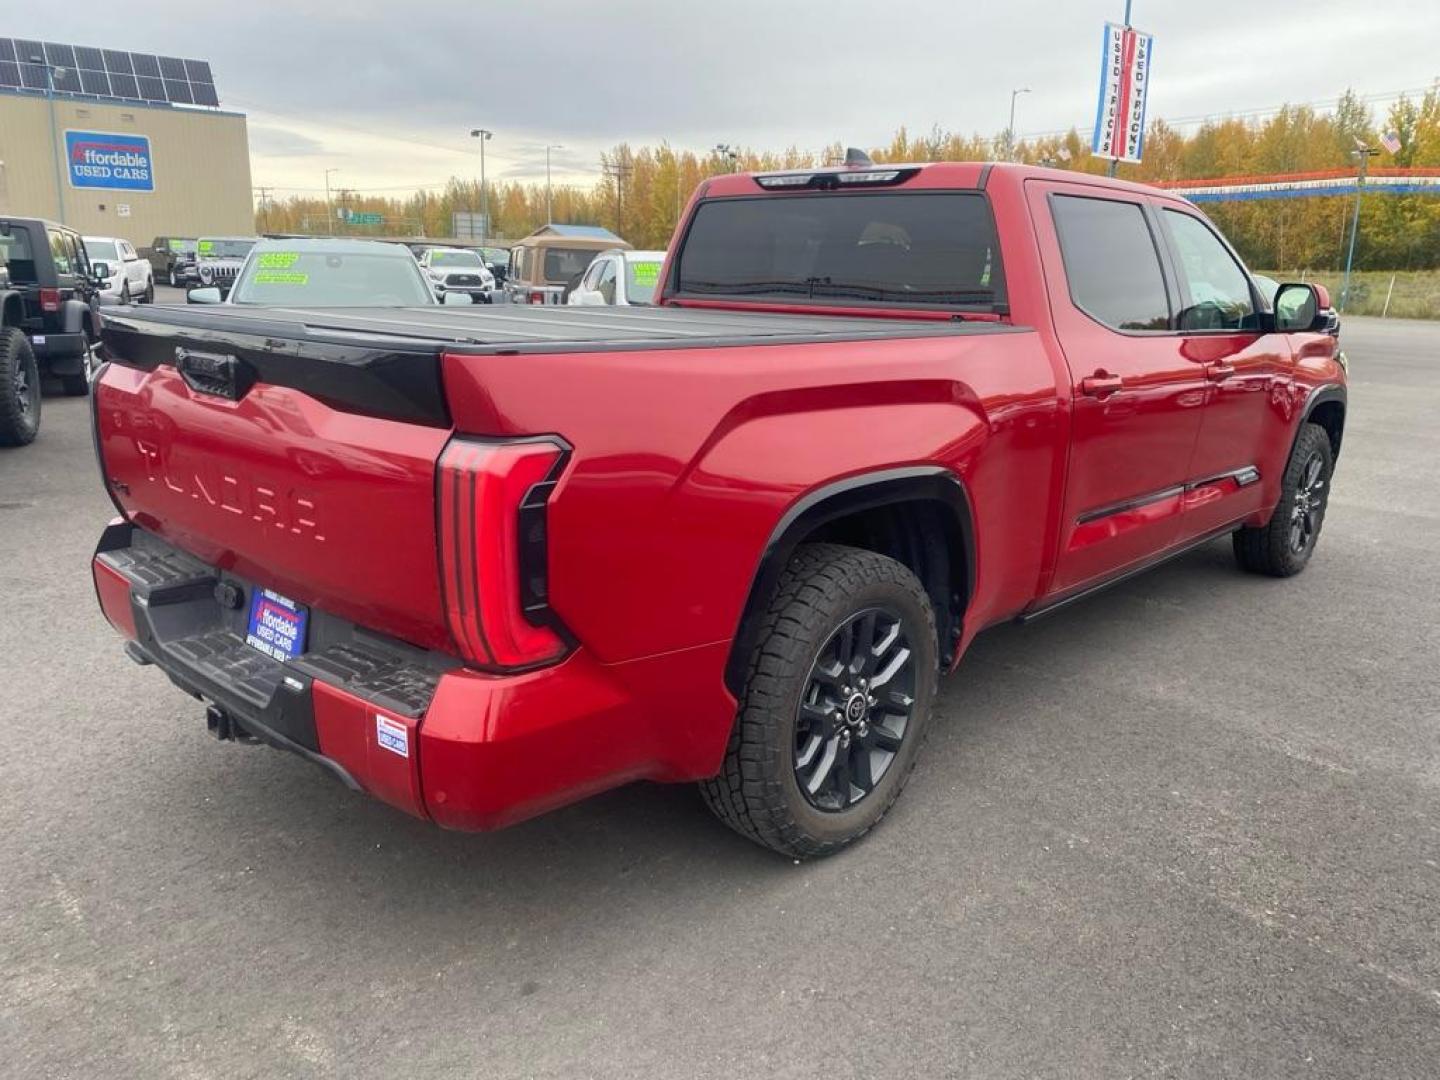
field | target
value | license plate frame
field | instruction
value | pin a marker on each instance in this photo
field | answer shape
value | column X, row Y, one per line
column 277, row 626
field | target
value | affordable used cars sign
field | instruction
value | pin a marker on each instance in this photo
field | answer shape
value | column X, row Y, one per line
column 101, row 159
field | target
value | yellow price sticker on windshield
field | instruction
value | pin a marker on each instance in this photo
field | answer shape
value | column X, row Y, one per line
column 281, row 277
column 278, row 260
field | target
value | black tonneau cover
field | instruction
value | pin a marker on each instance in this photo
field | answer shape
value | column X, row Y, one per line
column 385, row 361
column 541, row 328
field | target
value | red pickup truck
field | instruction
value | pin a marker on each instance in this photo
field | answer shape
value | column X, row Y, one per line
column 483, row 563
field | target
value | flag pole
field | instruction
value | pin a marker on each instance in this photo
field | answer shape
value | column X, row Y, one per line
column 1115, row 162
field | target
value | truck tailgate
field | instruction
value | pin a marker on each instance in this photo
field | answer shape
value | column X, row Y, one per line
column 285, row 481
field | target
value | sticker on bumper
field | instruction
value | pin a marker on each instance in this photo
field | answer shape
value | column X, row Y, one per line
column 392, row 736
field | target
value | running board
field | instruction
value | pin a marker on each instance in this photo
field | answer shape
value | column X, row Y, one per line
column 1125, row 575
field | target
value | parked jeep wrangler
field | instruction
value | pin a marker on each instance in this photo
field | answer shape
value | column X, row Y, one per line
column 49, row 319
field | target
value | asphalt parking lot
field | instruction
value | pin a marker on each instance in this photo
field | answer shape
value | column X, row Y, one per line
column 1188, row 828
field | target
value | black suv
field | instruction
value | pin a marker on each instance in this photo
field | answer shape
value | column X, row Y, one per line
column 49, row 319
column 173, row 260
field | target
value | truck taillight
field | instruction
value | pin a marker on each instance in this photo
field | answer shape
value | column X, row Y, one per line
column 50, row 300
column 536, row 298
column 494, row 552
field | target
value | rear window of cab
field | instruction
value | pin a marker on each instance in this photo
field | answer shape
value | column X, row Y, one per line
column 896, row 249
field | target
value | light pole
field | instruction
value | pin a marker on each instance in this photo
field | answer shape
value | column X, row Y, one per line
column 1010, row 131
column 1364, row 153
column 329, row 210
column 484, row 137
column 549, row 194
column 50, row 72
column 725, row 150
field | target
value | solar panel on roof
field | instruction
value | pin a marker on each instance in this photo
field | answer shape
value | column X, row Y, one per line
column 59, row 55
column 83, row 69
column 93, row 82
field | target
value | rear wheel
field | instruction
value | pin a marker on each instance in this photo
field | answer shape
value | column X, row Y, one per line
column 836, row 703
column 19, row 389
column 1283, row 546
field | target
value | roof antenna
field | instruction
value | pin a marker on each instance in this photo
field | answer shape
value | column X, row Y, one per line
column 856, row 157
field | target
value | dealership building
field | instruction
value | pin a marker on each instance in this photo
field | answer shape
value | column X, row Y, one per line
column 114, row 143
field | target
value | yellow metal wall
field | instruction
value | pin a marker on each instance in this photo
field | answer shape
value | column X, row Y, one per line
column 201, row 161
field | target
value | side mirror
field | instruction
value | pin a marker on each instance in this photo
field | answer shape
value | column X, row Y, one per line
column 210, row 295
column 1299, row 308
column 100, row 272
column 456, row 299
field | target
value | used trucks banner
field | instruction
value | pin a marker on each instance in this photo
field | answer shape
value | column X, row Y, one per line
column 1124, row 80
column 100, row 159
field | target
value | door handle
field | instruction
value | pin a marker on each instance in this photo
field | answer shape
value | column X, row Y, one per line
column 1101, row 384
column 1219, row 372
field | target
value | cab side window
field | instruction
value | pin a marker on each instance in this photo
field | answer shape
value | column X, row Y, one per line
column 1111, row 262
column 62, row 250
column 606, row 284
column 1218, row 290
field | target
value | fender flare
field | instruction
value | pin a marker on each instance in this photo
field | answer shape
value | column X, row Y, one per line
column 1320, row 395
column 12, row 308
column 839, row 499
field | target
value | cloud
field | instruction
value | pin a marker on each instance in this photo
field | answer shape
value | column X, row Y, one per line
column 396, row 89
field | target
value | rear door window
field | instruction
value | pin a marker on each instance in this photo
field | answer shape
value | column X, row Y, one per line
column 1111, row 263
column 898, row 249
column 562, row 264
column 17, row 257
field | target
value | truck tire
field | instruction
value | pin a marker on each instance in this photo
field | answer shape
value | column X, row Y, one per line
column 174, row 281
column 836, row 704
column 149, row 297
column 19, row 389
column 1283, row 546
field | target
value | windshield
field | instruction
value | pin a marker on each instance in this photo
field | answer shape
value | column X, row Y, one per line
column 455, row 258
column 641, row 277
column 185, row 247
column 103, row 250
column 910, row 249
column 225, row 249
column 327, row 279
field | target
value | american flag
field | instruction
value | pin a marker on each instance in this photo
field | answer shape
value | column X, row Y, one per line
column 1391, row 142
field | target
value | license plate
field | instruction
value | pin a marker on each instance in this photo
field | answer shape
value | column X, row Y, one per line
column 277, row 625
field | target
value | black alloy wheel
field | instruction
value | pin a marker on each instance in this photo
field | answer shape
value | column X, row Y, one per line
column 1308, row 507
column 854, row 711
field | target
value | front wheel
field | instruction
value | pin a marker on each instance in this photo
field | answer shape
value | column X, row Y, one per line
column 149, row 297
column 174, row 281
column 1282, row 547
column 837, row 699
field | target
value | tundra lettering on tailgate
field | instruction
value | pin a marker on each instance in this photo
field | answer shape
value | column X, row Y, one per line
column 206, row 482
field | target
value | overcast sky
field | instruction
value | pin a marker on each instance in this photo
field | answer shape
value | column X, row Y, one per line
column 387, row 92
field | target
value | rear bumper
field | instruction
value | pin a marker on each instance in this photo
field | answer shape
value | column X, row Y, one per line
column 465, row 749
column 54, row 350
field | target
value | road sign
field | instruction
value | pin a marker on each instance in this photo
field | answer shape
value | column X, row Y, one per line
column 364, row 218
column 1124, row 82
